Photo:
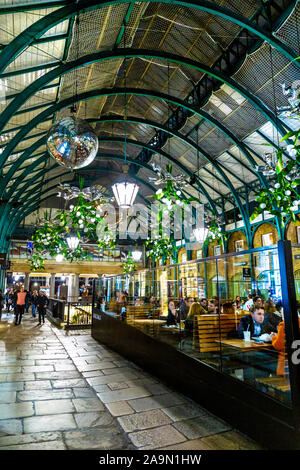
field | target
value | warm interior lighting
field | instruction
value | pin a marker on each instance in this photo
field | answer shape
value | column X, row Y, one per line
column 125, row 193
column 200, row 234
column 59, row 258
column 72, row 241
column 136, row 255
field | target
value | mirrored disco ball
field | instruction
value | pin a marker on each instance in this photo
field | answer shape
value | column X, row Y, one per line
column 72, row 143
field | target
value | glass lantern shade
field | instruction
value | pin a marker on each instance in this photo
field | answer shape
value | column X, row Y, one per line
column 200, row 234
column 59, row 258
column 136, row 255
column 125, row 193
column 72, row 241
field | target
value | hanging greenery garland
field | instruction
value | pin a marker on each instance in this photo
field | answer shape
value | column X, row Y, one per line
column 283, row 199
column 50, row 239
column 215, row 234
column 162, row 247
column 129, row 265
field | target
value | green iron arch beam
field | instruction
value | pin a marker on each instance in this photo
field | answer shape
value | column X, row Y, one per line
column 149, row 93
column 40, row 27
column 47, row 78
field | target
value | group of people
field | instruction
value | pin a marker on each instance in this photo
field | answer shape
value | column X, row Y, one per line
column 263, row 317
column 19, row 301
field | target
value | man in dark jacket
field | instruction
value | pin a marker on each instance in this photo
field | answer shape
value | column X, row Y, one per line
column 185, row 307
column 42, row 303
column 252, row 322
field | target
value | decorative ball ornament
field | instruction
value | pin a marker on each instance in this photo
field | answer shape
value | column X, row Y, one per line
column 72, row 143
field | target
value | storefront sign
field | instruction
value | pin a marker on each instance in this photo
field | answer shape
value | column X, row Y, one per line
column 246, row 272
column 241, row 263
column 297, row 256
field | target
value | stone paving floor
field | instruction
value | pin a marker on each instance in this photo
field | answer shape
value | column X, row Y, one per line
column 63, row 390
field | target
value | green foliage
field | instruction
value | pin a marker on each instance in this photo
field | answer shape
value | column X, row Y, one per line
column 283, row 199
column 161, row 248
column 51, row 237
column 129, row 265
column 215, row 234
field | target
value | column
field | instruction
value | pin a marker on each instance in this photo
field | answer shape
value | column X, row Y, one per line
column 73, row 287
column 52, row 285
column 26, row 281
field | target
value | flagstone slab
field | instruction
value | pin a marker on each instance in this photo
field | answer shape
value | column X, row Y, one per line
column 144, row 420
column 158, row 437
column 48, row 368
column 202, row 426
column 92, row 373
column 96, row 366
column 61, row 375
column 93, row 419
column 19, row 377
column 69, row 383
column 113, row 378
column 49, row 407
column 97, row 439
column 88, row 404
column 11, row 386
column 157, row 401
column 84, row 392
column 16, row 410
column 186, row 411
column 38, row 385
column 8, row 397
column 231, row 440
column 119, row 408
column 63, row 367
column 126, row 394
column 10, row 427
column 30, row 438
column 49, row 423
column 44, row 394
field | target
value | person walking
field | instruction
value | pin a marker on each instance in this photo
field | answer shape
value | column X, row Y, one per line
column 42, row 303
column 34, row 299
column 8, row 300
column 20, row 305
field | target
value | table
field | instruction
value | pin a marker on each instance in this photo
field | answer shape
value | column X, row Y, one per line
column 243, row 345
column 150, row 322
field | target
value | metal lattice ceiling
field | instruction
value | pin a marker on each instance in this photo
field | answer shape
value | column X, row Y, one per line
column 247, row 44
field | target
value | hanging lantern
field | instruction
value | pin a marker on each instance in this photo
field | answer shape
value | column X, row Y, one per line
column 72, row 241
column 136, row 255
column 200, row 234
column 125, row 193
column 59, row 258
column 72, row 143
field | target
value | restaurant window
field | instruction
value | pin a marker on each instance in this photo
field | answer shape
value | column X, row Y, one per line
column 267, row 239
column 239, row 245
column 217, row 250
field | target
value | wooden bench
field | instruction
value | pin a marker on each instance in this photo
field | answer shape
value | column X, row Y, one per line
column 275, row 386
column 208, row 329
column 134, row 312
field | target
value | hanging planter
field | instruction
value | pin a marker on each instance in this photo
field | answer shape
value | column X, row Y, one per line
column 215, row 234
column 161, row 248
column 129, row 265
column 82, row 220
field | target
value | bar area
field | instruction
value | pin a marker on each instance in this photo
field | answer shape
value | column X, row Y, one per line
column 251, row 381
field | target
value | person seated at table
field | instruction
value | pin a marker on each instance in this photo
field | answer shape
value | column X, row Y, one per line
column 172, row 318
column 258, row 301
column 195, row 309
column 139, row 302
column 212, row 307
column 204, row 303
column 237, row 302
column 185, row 307
column 252, row 322
column 228, row 308
column 247, row 305
column 279, row 309
column 271, row 320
